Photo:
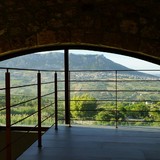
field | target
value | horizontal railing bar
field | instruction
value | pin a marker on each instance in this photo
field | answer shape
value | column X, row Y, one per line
column 47, row 106
column 15, row 105
column 48, row 117
column 28, row 85
column 92, row 80
column 89, row 110
column 2, row 109
column 47, row 94
column 59, row 81
column 102, row 80
column 144, row 121
column 58, row 71
column 119, row 100
column 107, row 81
column 144, row 100
column 99, row 109
column 89, row 119
column 85, row 90
column 93, row 70
column 138, row 111
column 114, row 90
column 91, row 100
column 2, row 89
column 24, row 118
column 140, row 80
column 50, row 70
column 112, row 110
column 48, row 82
column 111, row 70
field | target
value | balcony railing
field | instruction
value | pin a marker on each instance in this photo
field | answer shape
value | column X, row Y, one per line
column 113, row 97
column 94, row 97
column 26, row 103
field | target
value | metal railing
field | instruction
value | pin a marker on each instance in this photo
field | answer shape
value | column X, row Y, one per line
column 115, row 97
column 101, row 97
column 30, row 106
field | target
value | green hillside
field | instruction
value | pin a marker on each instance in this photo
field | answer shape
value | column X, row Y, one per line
column 135, row 94
column 55, row 61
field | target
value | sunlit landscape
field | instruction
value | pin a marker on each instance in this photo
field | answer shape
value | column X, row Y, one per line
column 102, row 90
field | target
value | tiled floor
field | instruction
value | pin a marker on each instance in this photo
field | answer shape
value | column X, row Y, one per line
column 97, row 143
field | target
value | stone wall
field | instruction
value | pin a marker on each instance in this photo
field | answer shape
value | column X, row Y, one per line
column 125, row 24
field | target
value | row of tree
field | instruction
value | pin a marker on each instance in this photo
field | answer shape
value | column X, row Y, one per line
column 26, row 113
column 86, row 108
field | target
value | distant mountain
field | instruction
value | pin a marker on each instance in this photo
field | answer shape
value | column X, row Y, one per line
column 36, row 61
column 55, row 61
column 93, row 62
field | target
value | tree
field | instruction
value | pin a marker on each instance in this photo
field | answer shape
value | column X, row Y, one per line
column 106, row 114
column 83, row 107
column 138, row 110
column 155, row 114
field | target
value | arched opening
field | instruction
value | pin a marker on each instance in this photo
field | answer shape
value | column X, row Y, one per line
column 110, row 102
column 114, row 71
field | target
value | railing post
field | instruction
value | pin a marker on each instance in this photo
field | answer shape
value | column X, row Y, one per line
column 116, row 87
column 69, row 74
column 67, row 106
column 8, row 116
column 56, row 101
column 39, row 109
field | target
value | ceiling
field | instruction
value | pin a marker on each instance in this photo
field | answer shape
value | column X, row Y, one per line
column 128, row 27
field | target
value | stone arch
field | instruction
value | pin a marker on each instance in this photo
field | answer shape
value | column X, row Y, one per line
column 21, row 52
